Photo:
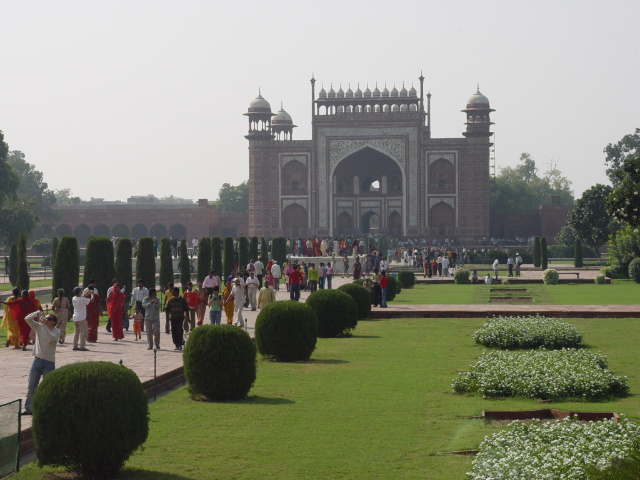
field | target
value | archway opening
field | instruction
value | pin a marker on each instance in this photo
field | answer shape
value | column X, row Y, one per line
column 101, row 230
column 64, row 230
column 121, row 231
column 345, row 224
column 82, row 233
column 370, row 222
column 158, row 231
column 178, row 231
column 139, row 231
column 442, row 219
column 294, row 220
column 395, row 223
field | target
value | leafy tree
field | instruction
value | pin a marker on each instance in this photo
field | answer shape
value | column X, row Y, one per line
column 577, row 256
column 98, row 265
column 624, row 201
column 66, row 268
column 521, row 188
column 123, row 266
column 228, row 257
column 9, row 179
column 566, row 236
column 54, row 251
column 22, row 282
column 264, row 250
column 13, row 264
column 590, row 220
column 544, row 258
column 64, row 197
column 243, row 250
column 32, row 186
column 537, row 253
column 146, row 262
column 234, row 199
column 624, row 246
column 166, row 263
column 173, row 200
column 627, row 148
column 253, row 248
column 185, row 265
column 216, row 255
column 204, row 258
column 42, row 246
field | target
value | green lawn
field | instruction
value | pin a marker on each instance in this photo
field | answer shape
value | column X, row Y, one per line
column 375, row 406
column 7, row 287
column 621, row 292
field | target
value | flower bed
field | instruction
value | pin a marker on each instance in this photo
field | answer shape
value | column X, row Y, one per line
column 556, row 374
column 527, row 332
column 553, row 450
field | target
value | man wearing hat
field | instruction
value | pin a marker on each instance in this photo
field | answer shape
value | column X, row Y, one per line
column 252, row 284
column 276, row 271
column 237, row 294
column 518, row 264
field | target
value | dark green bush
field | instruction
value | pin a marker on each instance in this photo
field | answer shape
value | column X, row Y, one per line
column 66, row 271
column 22, row 282
column 243, row 252
column 13, row 264
column 287, row 331
column 146, row 262
column 185, row 264
column 406, row 278
column 216, row 255
column 166, row 263
column 361, row 296
column 204, row 258
column 279, row 249
column 337, row 312
column 461, row 276
column 229, row 263
column 544, row 259
column 98, row 265
column 89, row 417
column 608, row 272
column 600, row 279
column 537, row 252
column 219, row 362
column 264, row 250
column 253, row 248
column 634, row 270
column 577, row 254
column 550, row 277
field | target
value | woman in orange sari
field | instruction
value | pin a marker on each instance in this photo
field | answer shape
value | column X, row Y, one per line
column 20, row 308
column 115, row 309
column 11, row 324
column 228, row 305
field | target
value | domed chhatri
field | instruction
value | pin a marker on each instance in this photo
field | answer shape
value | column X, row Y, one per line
column 281, row 118
column 478, row 99
column 259, row 105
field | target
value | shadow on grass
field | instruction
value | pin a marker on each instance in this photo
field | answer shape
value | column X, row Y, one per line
column 126, row 473
column 325, row 361
column 364, row 336
column 257, row 400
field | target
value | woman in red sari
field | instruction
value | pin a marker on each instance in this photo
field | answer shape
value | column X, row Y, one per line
column 93, row 316
column 20, row 308
column 115, row 309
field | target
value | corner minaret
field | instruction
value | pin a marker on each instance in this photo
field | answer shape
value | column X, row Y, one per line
column 259, row 114
column 478, row 116
column 282, row 125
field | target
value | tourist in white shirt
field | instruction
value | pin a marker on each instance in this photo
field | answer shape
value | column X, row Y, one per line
column 210, row 281
column 80, row 317
column 252, row 289
column 276, row 271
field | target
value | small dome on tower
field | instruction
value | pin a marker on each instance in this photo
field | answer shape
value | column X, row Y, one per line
column 340, row 93
column 394, row 91
column 478, row 100
column 367, row 92
column 403, row 92
column 259, row 105
column 358, row 93
column 385, row 92
column 349, row 93
column 281, row 118
column 376, row 92
column 332, row 92
column 322, row 94
column 413, row 92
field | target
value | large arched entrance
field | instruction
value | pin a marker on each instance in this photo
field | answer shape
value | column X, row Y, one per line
column 394, row 225
column 442, row 219
column 366, row 184
column 294, row 220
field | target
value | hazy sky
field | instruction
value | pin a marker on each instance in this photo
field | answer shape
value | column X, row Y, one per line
column 118, row 98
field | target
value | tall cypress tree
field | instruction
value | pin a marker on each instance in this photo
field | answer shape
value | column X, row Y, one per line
column 536, row 252
column 185, row 265
column 66, row 269
column 54, row 251
column 204, row 258
column 146, row 262
column 279, row 249
column 544, row 259
column 13, row 264
column 216, row 255
column 22, row 282
column 98, row 265
column 166, row 263
column 264, row 250
column 228, row 257
column 243, row 250
column 253, row 249
column 577, row 255
column 123, row 266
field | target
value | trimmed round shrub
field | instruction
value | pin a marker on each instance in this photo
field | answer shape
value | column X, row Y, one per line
column 89, row 418
column 608, row 272
column 550, row 276
column 600, row 279
column 361, row 296
column 286, row 331
column 337, row 312
column 219, row 362
column 461, row 276
column 634, row 270
column 406, row 278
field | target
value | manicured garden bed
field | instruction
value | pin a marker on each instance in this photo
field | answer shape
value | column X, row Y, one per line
column 527, row 332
